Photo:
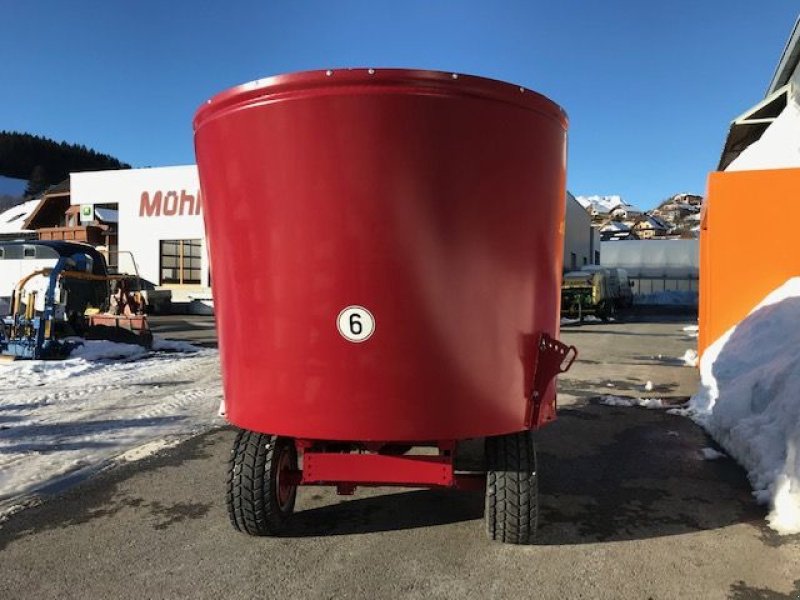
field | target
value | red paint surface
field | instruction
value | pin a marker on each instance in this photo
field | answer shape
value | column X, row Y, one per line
column 322, row 467
column 436, row 203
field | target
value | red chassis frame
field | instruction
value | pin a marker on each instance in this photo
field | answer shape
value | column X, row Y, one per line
column 347, row 470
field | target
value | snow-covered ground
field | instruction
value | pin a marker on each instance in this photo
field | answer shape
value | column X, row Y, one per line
column 748, row 401
column 630, row 401
column 586, row 319
column 690, row 358
column 60, row 420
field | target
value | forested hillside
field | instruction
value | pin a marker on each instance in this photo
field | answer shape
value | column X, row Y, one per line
column 45, row 162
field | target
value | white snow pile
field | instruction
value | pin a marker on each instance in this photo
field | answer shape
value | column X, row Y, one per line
column 689, row 358
column 12, row 220
column 61, row 421
column 630, row 401
column 669, row 298
column 586, row 319
column 748, row 401
column 91, row 350
column 711, row 454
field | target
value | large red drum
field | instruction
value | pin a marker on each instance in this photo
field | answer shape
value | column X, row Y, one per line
column 386, row 249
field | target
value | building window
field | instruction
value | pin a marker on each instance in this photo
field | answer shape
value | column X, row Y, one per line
column 180, row 261
column 573, row 260
column 597, row 257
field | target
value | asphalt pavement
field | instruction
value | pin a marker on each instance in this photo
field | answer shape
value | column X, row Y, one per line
column 629, row 510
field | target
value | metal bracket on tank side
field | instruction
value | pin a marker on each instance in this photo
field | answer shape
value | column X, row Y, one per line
column 553, row 357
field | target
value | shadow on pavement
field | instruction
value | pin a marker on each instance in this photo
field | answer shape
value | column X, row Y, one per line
column 606, row 474
column 387, row 512
column 614, row 474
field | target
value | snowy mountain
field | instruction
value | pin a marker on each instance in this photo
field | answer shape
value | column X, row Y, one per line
column 603, row 206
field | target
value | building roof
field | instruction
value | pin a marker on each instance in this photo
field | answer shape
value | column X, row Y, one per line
column 748, row 127
column 58, row 189
column 106, row 215
column 13, row 220
column 788, row 62
column 48, row 212
column 51, row 206
column 653, row 222
column 614, row 226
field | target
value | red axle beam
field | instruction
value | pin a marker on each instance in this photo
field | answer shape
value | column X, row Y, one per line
column 350, row 470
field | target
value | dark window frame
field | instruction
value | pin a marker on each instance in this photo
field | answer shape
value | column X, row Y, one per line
column 188, row 264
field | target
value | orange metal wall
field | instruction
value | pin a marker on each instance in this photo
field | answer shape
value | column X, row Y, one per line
column 748, row 244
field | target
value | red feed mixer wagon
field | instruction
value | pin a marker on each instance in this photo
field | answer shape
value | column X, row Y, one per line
column 386, row 250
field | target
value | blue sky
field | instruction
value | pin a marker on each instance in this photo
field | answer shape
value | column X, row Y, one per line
column 650, row 87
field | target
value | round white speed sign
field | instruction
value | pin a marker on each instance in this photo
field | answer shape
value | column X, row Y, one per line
column 356, row 324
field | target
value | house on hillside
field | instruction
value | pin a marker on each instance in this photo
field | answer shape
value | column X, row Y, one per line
column 649, row 227
column 692, row 200
column 677, row 208
column 618, row 213
column 615, row 230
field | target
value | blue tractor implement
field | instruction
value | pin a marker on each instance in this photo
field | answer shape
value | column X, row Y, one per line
column 78, row 303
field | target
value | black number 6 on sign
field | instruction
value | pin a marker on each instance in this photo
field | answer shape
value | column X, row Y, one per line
column 355, row 324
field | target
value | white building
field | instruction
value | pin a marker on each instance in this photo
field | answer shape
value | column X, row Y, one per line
column 656, row 266
column 160, row 212
column 581, row 241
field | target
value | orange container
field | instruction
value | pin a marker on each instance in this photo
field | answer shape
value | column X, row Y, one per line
column 744, row 254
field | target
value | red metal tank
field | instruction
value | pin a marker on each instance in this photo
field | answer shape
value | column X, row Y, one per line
column 432, row 201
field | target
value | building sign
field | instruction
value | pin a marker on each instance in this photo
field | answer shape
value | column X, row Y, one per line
column 87, row 213
column 170, row 204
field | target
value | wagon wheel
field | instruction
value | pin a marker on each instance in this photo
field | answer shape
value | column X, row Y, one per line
column 602, row 311
column 512, row 497
column 258, row 497
column 606, row 310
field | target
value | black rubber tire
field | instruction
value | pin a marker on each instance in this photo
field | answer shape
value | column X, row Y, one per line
column 512, row 490
column 252, row 492
column 606, row 310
